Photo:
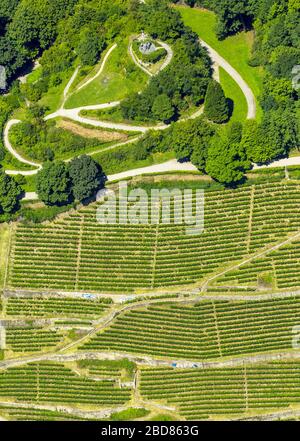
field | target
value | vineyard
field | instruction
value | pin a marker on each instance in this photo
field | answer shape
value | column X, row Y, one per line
column 32, row 414
column 191, row 393
column 280, row 269
column 54, row 383
column 48, row 307
column 77, row 253
column 193, row 353
column 207, row 330
column 149, row 214
column 32, row 340
column 201, row 394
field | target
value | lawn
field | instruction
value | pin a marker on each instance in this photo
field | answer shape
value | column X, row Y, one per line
column 235, row 94
column 119, row 78
column 235, row 49
column 119, row 159
column 30, row 183
column 12, row 163
column 52, row 100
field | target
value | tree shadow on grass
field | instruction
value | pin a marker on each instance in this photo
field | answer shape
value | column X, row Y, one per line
column 230, row 105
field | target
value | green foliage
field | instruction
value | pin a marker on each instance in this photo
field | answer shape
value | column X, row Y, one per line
column 53, row 183
column 86, row 176
column 7, row 105
column 216, row 106
column 45, row 141
column 190, row 139
column 232, row 16
column 184, row 81
column 131, row 413
column 160, row 21
column 33, row 27
column 10, row 193
column 161, row 417
column 90, row 47
column 226, row 162
column 235, row 132
column 58, row 58
column 39, row 215
column 162, row 108
column 274, row 137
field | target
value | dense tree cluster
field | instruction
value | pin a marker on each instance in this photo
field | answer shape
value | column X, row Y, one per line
column 58, row 182
column 62, row 31
column 44, row 141
column 277, row 49
column 216, row 105
column 29, row 27
column 183, row 82
column 10, row 193
column 7, row 105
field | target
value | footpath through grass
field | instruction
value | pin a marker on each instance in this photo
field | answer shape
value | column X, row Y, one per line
column 235, row 49
column 119, row 78
column 235, row 94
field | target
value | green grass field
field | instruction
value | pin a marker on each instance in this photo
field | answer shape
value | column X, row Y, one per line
column 119, row 78
column 53, row 98
column 235, row 94
column 235, row 49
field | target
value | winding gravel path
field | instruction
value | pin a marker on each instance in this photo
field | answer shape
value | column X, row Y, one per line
column 220, row 61
column 142, row 66
column 152, row 361
column 173, row 165
column 10, row 148
column 90, row 80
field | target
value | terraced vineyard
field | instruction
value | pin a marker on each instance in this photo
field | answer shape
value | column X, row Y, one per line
column 32, row 414
column 77, row 253
column 207, row 330
column 224, row 392
column 54, row 383
column 32, row 340
column 39, row 306
column 280, row 269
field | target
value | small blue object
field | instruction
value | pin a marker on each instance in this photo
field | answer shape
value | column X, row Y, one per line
column 174, row 364
column 88, row 296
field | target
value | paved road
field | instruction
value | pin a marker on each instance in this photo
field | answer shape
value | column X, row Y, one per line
column 152, row 361
column 220, row 61
column 170, row 166
column 68, row 86
column 74, row 411
column 74, row 114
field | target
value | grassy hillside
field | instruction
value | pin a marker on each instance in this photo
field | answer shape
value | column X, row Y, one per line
column 235, row 49
column 235, row 94
column 119, row 78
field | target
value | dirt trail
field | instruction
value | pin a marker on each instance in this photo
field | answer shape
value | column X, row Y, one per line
column 220, row 61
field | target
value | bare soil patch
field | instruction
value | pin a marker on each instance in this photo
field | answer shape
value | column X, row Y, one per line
column 102, row 135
